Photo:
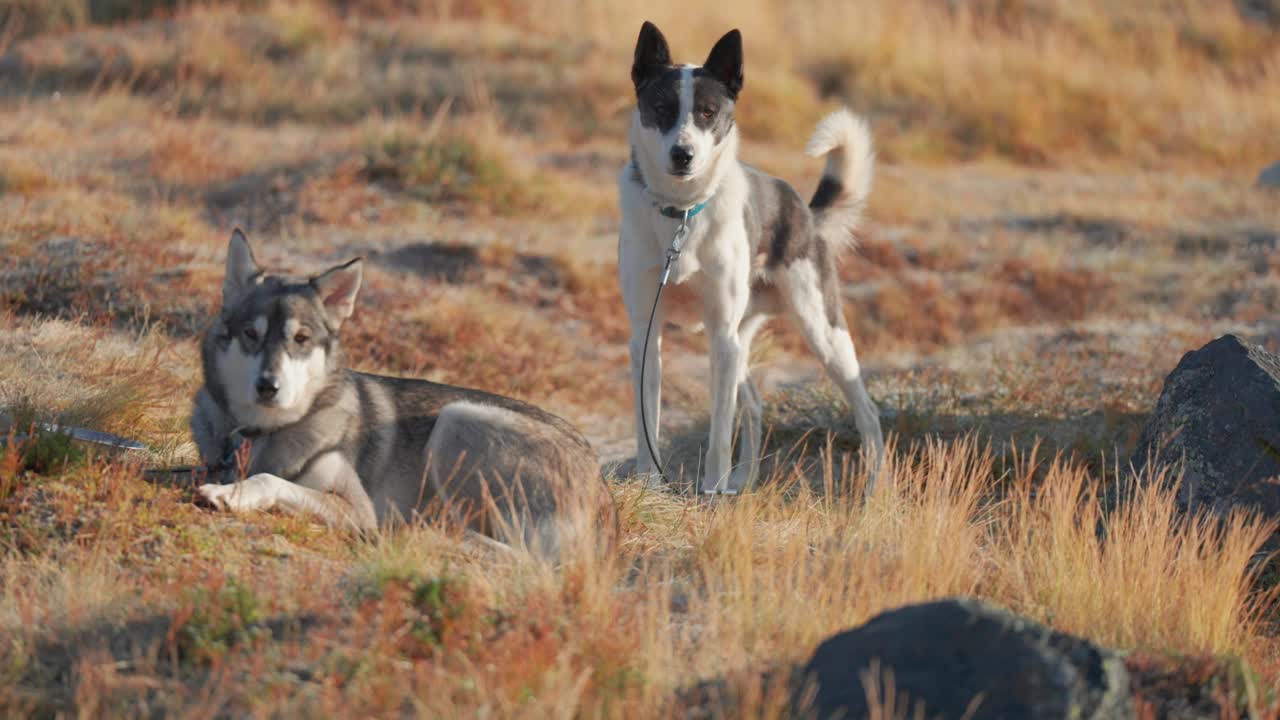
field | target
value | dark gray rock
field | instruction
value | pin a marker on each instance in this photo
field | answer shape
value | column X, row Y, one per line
column 1270, row 178
column 1218, row 418
column 966, row 658
column 1266, row 12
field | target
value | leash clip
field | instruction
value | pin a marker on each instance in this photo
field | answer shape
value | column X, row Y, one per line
column 677, row 244
column 682, row 232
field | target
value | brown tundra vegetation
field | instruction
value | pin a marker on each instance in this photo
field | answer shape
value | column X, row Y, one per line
column 1064, row 205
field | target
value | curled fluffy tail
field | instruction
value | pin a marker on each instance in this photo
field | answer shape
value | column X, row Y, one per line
column 837, row 204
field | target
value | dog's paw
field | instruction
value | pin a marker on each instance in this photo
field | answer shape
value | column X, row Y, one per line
column 725, row 486
column 713, row 497
column 246, row 495
column 230, row 498
column 207, row 496
column 219, row 497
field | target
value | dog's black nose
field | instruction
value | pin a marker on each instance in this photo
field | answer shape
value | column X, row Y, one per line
column 681, row 156
column 267, row 387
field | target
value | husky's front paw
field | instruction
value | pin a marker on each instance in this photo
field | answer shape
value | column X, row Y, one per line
column 255, row 493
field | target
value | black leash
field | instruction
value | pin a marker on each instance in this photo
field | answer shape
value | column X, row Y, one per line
column 232, row 462
column 677, row 244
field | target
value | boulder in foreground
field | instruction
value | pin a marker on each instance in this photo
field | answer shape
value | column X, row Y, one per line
column 965, row 658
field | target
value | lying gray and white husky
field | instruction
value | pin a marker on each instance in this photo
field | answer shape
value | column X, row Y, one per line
column 356, row 449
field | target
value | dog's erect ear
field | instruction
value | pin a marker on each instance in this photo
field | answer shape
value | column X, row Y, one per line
column 241, row 268
column 725, row 62
column 337, row 289
column 652, row 55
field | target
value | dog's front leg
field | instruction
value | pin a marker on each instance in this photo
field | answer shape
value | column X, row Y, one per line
column 210, row 427
column 725, row 350
column 639, row 279
column 325, row 491
column 725, row 306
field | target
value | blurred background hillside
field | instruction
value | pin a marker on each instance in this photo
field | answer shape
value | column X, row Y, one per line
column 1161, row 83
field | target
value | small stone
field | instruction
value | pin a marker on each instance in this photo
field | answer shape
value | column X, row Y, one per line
column 1270, row 178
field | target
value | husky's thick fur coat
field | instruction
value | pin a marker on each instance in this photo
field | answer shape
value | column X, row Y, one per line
column 753, row 247
column 359, row 450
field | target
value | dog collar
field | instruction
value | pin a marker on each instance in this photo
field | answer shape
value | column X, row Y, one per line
column 676, row 213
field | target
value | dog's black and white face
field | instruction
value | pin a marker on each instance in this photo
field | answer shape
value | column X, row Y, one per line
column 277, row 344
column 686, row 111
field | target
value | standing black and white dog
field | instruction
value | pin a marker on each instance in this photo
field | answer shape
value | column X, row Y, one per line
column 752, row 247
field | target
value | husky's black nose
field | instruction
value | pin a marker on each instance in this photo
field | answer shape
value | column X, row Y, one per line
column 267, row 387
column 681, row 156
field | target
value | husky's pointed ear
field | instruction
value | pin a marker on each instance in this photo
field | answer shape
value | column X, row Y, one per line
column 337, row 289
column 652, row 55
column 241, row 268
column 724, row 63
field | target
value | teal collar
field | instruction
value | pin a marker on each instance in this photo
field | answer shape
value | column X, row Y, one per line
column 676, row 213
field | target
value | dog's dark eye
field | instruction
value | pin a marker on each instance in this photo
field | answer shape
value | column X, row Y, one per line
column 250, row 334
column 301, row 338
column 707, row 113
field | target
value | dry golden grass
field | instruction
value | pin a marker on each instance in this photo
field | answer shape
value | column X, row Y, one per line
column 465, row 161
column 468, row 149
column 20, row 175
column 419, row 619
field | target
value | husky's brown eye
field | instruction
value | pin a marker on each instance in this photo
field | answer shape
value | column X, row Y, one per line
column 301, row 338
column 707, row 113
column 250, row 334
